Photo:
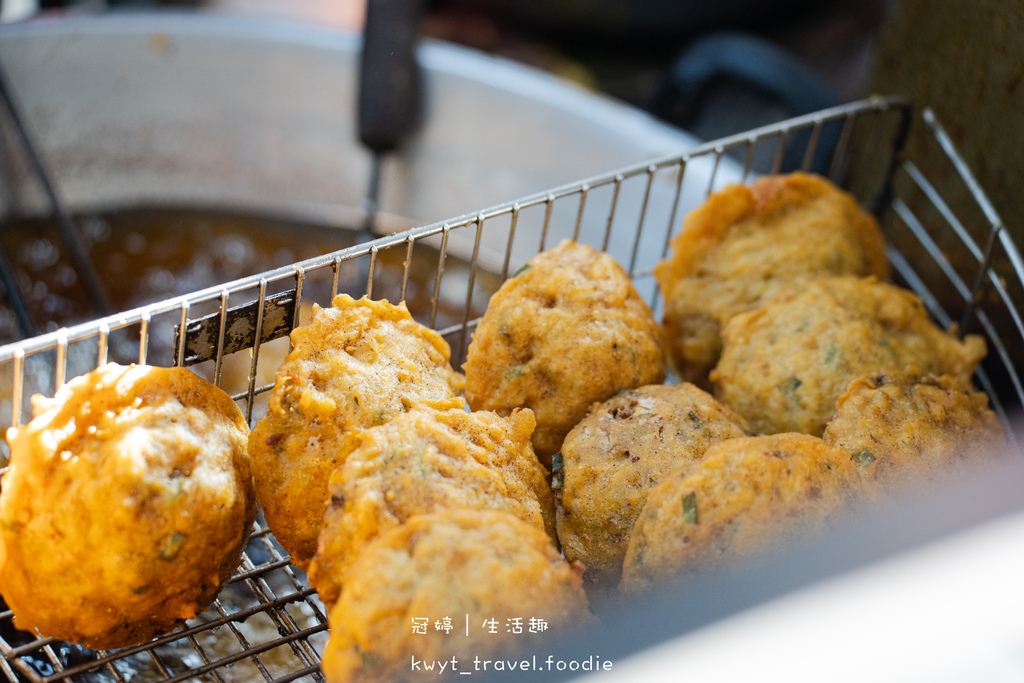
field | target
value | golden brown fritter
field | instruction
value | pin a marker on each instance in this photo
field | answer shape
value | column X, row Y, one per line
column 785, row 363
column 355, row 365
column 457, row 565
column 567, row 330
column 127, row 505
column 618, row 453
column 743, row 497
column 901, row 427
column 744, row 243
column 428, row 461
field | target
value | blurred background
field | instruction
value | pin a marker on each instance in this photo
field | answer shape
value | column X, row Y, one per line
column 715, row 68
column 636, row 52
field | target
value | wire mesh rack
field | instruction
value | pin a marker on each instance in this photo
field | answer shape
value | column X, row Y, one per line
column 267, row 623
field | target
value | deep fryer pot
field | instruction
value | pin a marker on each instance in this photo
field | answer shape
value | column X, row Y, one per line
column 216, row 111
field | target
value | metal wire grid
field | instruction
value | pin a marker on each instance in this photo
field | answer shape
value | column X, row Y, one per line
column 182, row 656
column 973, row 275
column 868, row 137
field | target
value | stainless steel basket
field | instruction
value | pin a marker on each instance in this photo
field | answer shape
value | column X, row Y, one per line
column 946, row 243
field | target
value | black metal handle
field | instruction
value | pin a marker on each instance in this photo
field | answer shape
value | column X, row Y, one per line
column 69, row 232
column 752, row 61
column 389, row 83
column 761, row 68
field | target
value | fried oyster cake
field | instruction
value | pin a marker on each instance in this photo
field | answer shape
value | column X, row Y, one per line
column 568, row 329
column 745, row 496
column 356, row 364
column 902, row 428
column 469, row 568
column 428, row 461
column 617, row 454
column 785, row 363
column 126, row 507
column 746, row 242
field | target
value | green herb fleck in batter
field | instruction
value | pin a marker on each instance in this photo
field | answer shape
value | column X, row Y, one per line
column 790, row 385
column 863, row 458
column 172, row 546
column 832, row 354
column 690, row 514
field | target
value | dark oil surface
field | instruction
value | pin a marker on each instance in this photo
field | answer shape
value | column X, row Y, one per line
column 147, row 255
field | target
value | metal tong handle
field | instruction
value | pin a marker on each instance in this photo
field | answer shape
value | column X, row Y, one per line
column 389, row 79
column 390, row 95
column 68, row 230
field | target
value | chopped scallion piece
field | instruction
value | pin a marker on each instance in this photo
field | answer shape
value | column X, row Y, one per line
column 832, row 353
column 863, row 458
column 690, row 514
column 172, row 546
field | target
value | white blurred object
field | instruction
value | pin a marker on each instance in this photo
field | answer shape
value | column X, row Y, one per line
column 16, row 10
column 951, row 611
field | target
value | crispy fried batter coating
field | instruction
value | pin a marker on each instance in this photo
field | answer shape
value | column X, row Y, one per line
column 785, row 363
column 567, row 330
column 482, row 563
column 127, row 505
column 355, row 365
column 744, row 497
column 743, row 243
column 428, row 461
column 618, row 453
column 903, row 428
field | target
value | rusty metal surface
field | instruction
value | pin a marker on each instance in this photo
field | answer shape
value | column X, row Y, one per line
column 202, row 340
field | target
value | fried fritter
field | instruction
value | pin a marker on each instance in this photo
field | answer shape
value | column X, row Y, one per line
column 785, row 363
column 127, row 505
column 428, row 461
column 618, row 453
column 744, row 243
column 355, row 365
column 567, row 330
column 903, row 428
column 479, row 565
column 742, row 498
